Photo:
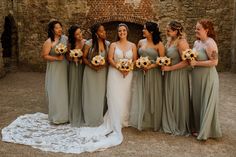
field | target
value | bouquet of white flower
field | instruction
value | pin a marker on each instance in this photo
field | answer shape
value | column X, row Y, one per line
column 189, row 54
column 98, row 60
column 125, row 65
column 60, row 49
column 76, row 55
column 143, row 62
column 163, row 61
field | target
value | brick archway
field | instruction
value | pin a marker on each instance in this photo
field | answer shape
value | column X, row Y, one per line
column 111, row 22
column 132, row 19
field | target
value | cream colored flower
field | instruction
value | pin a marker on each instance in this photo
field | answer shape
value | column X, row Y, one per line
column 98, row 60
column 138, row 63
column 143, row 62
column 76, row 54
column 125, row 65
column 189, row 54
column 61, row 49
column 163, row 61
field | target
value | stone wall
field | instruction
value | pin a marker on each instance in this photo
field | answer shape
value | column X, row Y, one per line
column 188, row 12
column 233, row 68
column 2, row 12
column 32, row 17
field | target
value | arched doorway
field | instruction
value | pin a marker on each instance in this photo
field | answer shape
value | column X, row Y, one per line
column 9, row 40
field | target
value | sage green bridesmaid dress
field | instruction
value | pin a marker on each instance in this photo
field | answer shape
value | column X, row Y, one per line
column 94, row 91
column 175, row 116
column 146, row 104
column 205, row 97
column 56, row 83
column 76, row 117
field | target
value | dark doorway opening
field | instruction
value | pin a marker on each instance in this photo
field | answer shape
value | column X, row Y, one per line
column 9, row 41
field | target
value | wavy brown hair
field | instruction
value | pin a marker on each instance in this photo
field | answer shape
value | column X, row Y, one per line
column 177, row 26
column 127, row 29
column 208, row 25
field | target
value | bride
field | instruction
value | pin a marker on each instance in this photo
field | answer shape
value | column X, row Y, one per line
column 35, row 130
column 119, row 82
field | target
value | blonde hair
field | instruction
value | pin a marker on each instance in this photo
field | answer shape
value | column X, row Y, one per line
column 177, row 26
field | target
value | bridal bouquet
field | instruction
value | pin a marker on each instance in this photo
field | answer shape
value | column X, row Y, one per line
column 163, row 61
column 189, row 54
column 76, row 54
column 143, row 62
column 98, row 60
column 60, row 49
column 125, row 65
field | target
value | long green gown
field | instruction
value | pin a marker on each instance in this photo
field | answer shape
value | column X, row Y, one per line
column 94, row 92
column 146, row 104
column 205, row 95
column 56, row 84
column 175, row 116
column 75, row 94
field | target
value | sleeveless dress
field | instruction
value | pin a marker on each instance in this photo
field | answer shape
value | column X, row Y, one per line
column 119, row 91
column 76, row 117
column 146, row 105
column 175, row 116
column 94, row 91
column 205, row 97
column 57, row 87
column 36, row 131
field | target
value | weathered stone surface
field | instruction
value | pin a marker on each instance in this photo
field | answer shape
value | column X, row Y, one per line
column 233, row 68
column 32, row 17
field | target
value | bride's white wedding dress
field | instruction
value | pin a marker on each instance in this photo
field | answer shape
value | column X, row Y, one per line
column 36, row 131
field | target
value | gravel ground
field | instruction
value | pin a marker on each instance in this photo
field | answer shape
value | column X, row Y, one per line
column 23, row 92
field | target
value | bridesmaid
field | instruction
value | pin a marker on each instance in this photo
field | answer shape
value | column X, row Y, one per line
column 94, row 79
column 146, row 106
column 75, row 41
column 56, row 82
column 205, row 83
column 175, row 117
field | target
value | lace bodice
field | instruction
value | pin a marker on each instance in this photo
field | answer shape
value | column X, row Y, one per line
column 119, row 54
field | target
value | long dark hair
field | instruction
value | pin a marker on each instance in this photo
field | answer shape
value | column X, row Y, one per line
column 95, row 46
column 154, row 29
column 51, row 25
column 127, row 28
column 207, row 24
column 71, row 35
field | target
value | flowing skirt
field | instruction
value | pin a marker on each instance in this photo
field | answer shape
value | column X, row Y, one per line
column 35, row 129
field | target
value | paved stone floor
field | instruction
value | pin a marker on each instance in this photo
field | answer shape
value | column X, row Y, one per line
column 23, row 92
